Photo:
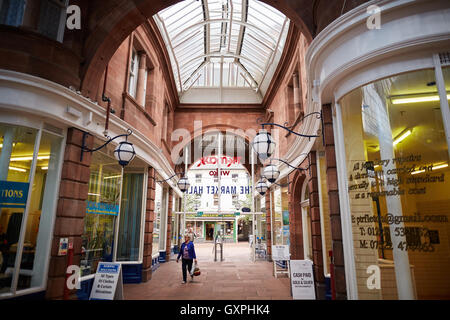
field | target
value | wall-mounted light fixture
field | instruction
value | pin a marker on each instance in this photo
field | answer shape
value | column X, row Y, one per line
column 183, row 184
column 263, row 143
column 124, row 153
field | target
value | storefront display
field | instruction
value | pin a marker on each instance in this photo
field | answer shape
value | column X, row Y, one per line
column 102, row 210
column 29, row 171
column 131, row 212
column 397, row 161
column 157, row 221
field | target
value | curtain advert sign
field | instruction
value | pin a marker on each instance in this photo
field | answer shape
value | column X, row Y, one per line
column 108, row 283
column 302, row 280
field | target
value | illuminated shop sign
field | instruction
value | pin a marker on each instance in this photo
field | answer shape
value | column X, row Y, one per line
column 227, row 161
column 102, row 208
column 13, row 194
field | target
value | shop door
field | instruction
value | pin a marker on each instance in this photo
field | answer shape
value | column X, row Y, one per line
column 209, row 231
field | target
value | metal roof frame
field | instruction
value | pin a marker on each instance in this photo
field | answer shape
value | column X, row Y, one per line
column 247, row 31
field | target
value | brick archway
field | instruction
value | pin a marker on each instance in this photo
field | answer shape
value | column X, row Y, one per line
column 215, row 129
column 295, row 219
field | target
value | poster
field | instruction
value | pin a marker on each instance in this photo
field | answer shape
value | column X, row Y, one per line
column 280, row 253
column 302, row 280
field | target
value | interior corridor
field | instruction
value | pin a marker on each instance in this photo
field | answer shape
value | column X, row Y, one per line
column 235, row 278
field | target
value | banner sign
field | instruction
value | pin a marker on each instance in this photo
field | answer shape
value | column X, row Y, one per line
column 223, row 189
column 13, row 194
column 102, row 208
column 280, row 253
column 302, row 280
column 108, row 283
column 210, row 215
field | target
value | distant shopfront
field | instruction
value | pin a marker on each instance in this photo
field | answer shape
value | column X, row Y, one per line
column 207, row 226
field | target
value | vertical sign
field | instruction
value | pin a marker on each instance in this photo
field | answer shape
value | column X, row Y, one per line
column 302, row 280
column 108, row 282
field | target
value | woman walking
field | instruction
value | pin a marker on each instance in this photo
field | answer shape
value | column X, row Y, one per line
column 187, row 251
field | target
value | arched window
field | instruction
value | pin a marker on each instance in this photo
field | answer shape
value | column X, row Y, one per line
column 306, row 222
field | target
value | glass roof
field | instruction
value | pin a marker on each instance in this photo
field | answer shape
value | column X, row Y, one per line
column 222, row 43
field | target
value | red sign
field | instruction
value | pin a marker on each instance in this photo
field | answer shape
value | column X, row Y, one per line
column 228, row 161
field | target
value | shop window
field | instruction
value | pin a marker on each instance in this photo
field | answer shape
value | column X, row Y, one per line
column 128, row 243
column 27, row 213
column 398, row 180
column 157, row 221
column 102, row 210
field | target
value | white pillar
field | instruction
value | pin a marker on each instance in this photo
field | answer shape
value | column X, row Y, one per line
column 5, row 155
column 394, row 205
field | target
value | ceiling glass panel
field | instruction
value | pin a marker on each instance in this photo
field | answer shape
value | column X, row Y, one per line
column 221, row 43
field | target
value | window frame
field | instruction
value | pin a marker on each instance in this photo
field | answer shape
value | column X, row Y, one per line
column 40, row 126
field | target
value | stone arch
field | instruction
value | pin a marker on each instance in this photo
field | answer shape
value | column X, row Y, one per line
column 224, row 129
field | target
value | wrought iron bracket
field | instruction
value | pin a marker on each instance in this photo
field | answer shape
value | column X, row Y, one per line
column 86, row 149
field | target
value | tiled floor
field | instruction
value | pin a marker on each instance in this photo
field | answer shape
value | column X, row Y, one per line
column 235, row 278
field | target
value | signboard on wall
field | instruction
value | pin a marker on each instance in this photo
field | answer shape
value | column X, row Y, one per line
column 302, row 280
column 102, row 208
column 13, row 194
column 108, row 284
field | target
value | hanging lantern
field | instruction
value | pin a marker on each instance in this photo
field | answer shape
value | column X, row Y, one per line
column 124, row 153
column 261, row 187
column 183, row 184
column 271, row 173
column 263, row 145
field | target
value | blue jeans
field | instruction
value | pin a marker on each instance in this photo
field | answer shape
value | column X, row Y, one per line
column 186, row 263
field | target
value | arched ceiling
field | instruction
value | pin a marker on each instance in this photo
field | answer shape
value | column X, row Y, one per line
column 222, row 43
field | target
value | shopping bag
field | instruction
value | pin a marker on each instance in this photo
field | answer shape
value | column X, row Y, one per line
column 192, row 271
column 196, row 270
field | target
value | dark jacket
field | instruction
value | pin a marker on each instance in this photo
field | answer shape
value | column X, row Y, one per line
column 191, row 250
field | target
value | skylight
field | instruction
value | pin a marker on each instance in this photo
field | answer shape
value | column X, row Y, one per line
column 222, row 43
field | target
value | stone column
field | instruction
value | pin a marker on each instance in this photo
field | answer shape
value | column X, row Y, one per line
column 316, row 233
column 335, row 211
column 149, row 219
column 268, row 226
column 141, row 81
column 70, row 211
column 169, row 225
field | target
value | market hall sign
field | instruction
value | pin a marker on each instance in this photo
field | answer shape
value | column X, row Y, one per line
column 215, row 190
column 13, row 194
